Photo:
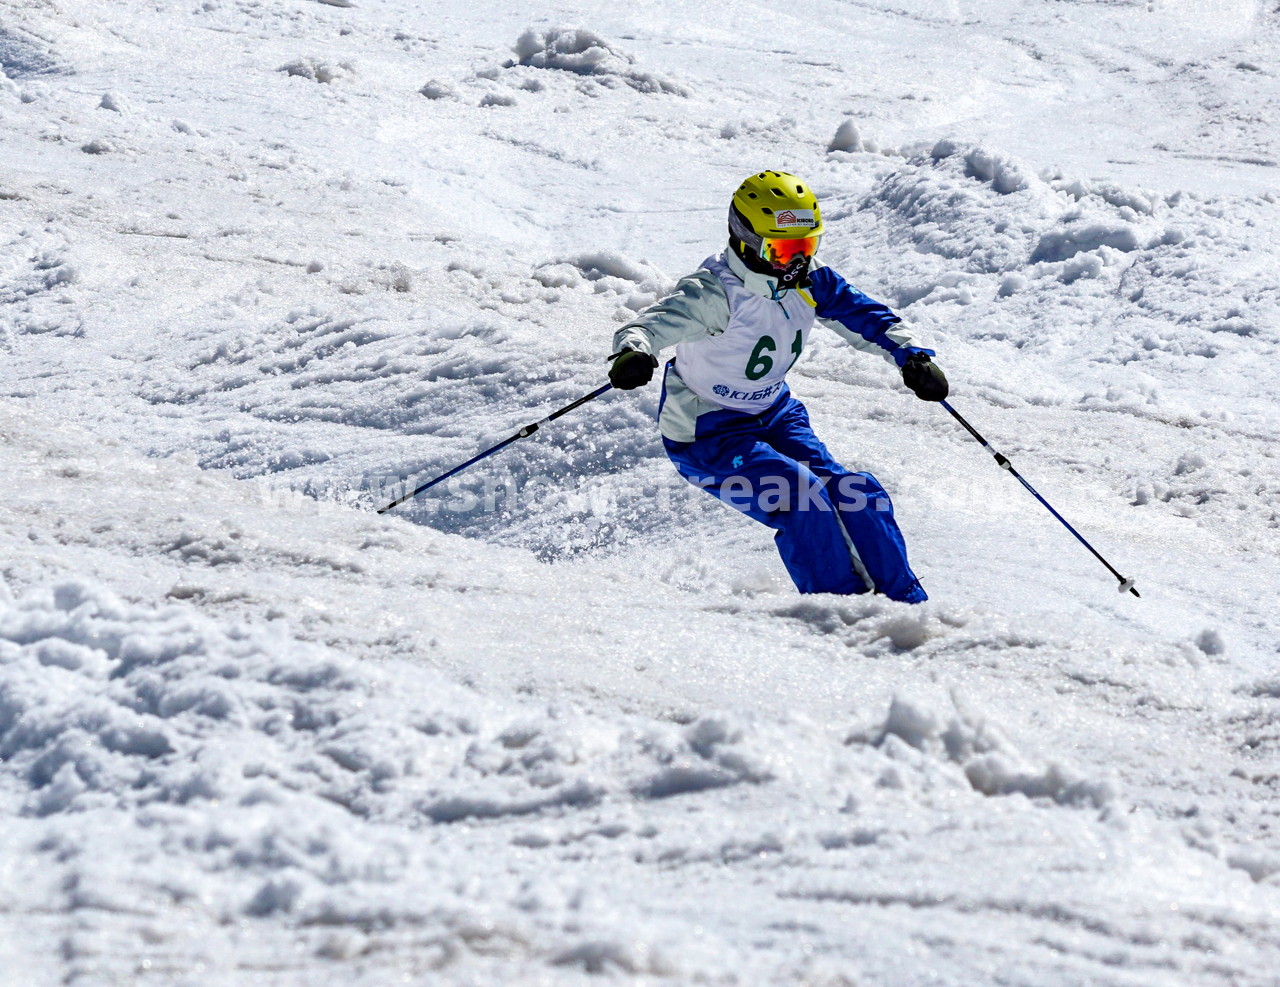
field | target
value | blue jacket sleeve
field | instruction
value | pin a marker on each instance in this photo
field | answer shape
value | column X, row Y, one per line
column 865, row 320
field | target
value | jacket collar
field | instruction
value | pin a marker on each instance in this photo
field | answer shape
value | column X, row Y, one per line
column 756, row 283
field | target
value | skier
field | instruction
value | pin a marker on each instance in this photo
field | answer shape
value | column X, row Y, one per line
column 727, row 418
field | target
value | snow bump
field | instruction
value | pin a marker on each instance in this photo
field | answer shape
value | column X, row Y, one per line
column 318, row 70
column 989, row 762
column 583, row 52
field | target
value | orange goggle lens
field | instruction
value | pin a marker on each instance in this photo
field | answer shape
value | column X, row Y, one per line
column 780, row 253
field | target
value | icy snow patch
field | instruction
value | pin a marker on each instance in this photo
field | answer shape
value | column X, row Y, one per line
column 22, row 55
column 35, row 275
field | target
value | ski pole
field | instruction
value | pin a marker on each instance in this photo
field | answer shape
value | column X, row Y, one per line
column 1003, row 462
column 523, row 433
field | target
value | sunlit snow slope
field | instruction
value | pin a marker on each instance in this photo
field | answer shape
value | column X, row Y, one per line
column 261, row 263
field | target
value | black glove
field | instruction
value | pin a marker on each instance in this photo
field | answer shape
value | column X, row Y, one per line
column 923, row 376
column 632, row 369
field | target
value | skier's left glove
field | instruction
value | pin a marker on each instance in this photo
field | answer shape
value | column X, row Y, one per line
column 632, row 369
column 923, row 377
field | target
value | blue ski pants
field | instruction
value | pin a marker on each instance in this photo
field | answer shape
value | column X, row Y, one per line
column 834, row 529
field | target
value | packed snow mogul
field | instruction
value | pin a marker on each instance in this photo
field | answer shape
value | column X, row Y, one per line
column 727, row 417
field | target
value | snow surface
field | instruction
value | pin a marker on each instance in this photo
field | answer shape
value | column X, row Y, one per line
column 261, row 263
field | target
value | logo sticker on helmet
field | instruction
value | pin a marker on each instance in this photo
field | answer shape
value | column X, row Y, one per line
column 788, row 218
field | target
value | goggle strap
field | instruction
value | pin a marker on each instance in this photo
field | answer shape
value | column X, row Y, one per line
column 741, row 229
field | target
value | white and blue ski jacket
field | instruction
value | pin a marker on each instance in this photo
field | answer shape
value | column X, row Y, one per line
column 736, row 336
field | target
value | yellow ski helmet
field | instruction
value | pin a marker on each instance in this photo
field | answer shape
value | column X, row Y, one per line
column 773, row 221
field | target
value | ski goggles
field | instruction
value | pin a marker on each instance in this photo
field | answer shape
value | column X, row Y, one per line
column 781, row 253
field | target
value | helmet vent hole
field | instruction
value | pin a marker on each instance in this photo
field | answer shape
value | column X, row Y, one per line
column 753, row 195
column 778, row 192
column 766, row 209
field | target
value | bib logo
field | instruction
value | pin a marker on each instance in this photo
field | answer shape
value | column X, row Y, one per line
column 720, row 390
column 789, row 218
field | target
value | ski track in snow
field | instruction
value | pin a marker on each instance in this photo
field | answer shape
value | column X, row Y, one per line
column 259, row 264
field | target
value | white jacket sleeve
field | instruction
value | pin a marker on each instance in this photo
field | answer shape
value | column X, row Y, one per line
column 697, row 309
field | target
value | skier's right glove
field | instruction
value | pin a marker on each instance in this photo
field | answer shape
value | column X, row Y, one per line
column 923, row 377
column 632, row 369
